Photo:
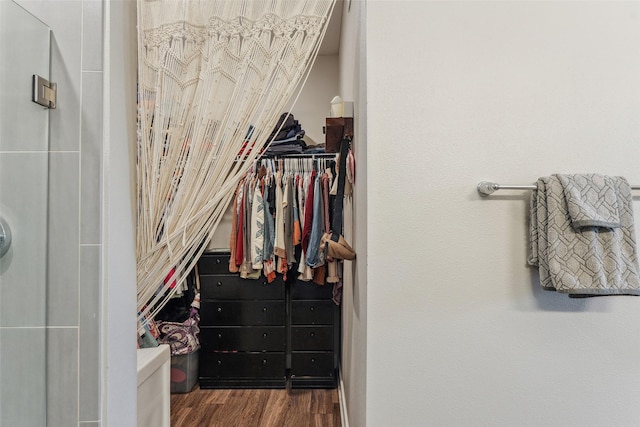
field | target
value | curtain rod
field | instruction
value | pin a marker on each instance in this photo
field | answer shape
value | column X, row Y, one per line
column 485, row 188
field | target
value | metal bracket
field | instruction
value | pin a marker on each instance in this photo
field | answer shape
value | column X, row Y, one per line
column 485, row 188
column 43, row 92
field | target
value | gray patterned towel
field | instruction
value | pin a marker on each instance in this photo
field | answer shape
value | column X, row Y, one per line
column 592, row 200
column 585, row 261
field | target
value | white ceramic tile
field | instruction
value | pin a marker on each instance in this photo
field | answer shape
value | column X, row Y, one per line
column 64, row 17
column 91, row 158
column 22, row 377
column 63, row 268
column 90, row 333
column 62, row 377
column 23, row 205
column 65, row 120
column 92, row 29
column 23, row 124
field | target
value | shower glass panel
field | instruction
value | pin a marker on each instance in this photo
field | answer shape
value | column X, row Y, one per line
column 24, row 145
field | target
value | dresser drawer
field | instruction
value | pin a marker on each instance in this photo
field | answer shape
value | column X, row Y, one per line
column 214, row 263
column 309, row 290
column 232, row 286
column 317, row 364
column 312, row 338
column 312, row 312
column 242, row 365
column 242, row 313
column 243, row 338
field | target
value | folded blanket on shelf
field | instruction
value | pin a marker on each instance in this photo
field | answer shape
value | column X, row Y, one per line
column 574, row 254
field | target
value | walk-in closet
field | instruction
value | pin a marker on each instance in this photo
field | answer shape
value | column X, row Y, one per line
column 253, row 312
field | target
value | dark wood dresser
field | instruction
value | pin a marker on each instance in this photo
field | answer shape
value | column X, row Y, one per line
column 314, row 336
column 255, row 334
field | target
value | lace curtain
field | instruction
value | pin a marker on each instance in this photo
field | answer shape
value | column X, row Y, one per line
column 213, row 78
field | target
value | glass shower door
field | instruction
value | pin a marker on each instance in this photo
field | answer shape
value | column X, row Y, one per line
column 24, row 145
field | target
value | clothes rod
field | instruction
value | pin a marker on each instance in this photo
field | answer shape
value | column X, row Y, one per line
column 485, row 188
column 298, row 156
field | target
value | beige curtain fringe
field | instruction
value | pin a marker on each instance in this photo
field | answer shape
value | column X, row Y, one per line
column 208, row 72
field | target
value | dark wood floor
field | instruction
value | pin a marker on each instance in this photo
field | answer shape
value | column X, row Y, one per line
column 256, row 408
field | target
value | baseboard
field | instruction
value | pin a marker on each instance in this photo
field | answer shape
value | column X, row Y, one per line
column 343, row 406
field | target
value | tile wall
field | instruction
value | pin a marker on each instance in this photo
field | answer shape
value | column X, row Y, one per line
column 73, row 365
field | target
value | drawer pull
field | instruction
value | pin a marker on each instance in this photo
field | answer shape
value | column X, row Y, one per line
column 264, row 283
column 312, row 334
column 219, row 309
column 264, row 335
column 218, row 260
column 264, row 361
column 313, row 360
column 312, row 308
column 219, row 362
column 219, row 336
column 264, row 309
column 218, row 284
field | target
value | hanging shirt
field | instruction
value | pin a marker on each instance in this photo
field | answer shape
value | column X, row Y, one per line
column 308, row 213
column 269, row 232
column 306, row 274
column 233, row 268
column 240, row 234
column 269, row 224
column 279, row 248
column 288, row 221
column 297, row 228
column 246, row 269
column 313, row 249
column 257, row 227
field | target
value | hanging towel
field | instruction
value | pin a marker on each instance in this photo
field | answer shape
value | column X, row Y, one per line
column 592, row 200
column 588, row 260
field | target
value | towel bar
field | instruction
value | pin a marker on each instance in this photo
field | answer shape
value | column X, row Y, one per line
column 485, row 187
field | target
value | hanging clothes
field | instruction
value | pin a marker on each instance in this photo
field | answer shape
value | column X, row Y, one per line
column 279, row 217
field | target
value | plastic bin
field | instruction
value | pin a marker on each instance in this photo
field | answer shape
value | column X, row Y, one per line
column 184, row 372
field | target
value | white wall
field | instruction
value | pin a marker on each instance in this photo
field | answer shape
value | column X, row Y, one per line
column 458, row 330
column 354, row 303
column 315, row 99
column 120, row 263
